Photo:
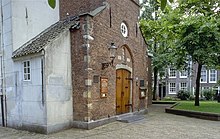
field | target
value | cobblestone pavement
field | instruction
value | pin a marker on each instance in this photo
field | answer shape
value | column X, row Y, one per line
column 156, row 125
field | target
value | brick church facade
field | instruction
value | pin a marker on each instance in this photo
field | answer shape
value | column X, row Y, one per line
column 98, row 87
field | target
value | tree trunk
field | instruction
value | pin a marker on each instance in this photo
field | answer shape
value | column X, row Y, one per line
column 155, row 83
column 198, row 76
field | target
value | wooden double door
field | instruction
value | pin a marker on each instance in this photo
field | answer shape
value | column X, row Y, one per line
column 123, row 90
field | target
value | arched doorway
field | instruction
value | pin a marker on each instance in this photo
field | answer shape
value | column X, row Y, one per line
column 123, row 91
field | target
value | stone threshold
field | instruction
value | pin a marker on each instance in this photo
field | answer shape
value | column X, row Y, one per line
column 97, row 123
column 195, row 114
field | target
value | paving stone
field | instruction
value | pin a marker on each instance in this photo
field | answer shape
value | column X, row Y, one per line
column 156, row 125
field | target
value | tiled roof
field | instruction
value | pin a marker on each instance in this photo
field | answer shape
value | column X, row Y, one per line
column 38, row 43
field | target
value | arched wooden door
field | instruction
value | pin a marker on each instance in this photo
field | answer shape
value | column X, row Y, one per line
column 123, row 89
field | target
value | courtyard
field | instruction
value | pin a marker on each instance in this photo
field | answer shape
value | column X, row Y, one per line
column 156, row 125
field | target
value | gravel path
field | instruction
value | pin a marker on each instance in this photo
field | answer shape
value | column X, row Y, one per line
column 156, row 125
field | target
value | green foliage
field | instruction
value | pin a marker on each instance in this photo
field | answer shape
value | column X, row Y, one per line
column 52, row 3
column 164, row 3
column 208, row 94
column 183, row 95
column 191, row 97
column 191, row 31
column 203, row 7
column 198, row 35
column 149, row 6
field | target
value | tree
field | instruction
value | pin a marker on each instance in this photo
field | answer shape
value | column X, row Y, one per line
column 198, row 36
column 154, row 30
column 191, row 30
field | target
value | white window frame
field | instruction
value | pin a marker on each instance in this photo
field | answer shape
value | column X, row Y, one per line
column 203, row 69
column 215, row 76
column 172, row 89
column 185, row 76
column 170, row 72
column 25, row 72
column 124, row 30
column 183, row 88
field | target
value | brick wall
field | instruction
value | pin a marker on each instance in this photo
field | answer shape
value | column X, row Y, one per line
column 88, row 54
column 76, row 7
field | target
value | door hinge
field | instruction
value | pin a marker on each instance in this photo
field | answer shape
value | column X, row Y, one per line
column 129, row 79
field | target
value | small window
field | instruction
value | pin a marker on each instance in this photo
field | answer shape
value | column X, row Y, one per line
column 203, row 78
column 172, row 88
column 183, row 86
column 27, row 70
column 142, row 83
column 172, row 73
column 212, row 76
column 124, row 30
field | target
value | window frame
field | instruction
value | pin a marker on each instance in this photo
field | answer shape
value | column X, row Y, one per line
column 124, row 29
column 173, row 88
column 215, row 76
column 24, row 71
column 174, row 70
column 182, row 87
column 203, row 69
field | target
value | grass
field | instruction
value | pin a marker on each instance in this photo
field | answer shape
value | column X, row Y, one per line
column 205, row 106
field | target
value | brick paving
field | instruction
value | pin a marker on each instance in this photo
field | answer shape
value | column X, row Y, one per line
column 156, row 125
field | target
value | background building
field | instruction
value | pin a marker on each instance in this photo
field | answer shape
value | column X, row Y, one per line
column 176, row 80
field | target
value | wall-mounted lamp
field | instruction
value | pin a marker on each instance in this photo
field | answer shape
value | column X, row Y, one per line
column 112, row 49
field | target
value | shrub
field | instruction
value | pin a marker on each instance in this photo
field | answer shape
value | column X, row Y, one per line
column 191, row 97
column 208, row 94
column 183, row 95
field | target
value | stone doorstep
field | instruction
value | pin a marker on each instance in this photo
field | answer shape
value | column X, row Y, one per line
column 127, row 118
column 200, row 115
column 130, row 118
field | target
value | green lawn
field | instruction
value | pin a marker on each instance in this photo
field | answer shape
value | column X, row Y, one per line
column 205, row 106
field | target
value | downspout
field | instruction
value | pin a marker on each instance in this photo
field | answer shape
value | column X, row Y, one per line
column 3, row 116
column 42, row 77
column 2, row 73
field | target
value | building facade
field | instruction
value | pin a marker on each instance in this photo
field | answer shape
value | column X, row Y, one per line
column 58, row 69
column 176, row 80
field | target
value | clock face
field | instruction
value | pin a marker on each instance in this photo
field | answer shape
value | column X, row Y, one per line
column 52, row 3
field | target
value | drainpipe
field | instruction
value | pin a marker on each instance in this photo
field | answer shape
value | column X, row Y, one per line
column 42, row 77
column 3, row 106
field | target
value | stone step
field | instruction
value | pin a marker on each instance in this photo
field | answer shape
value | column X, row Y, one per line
column 130, row 118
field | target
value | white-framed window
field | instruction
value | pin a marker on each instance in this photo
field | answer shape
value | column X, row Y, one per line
column 183, row 74
column 212, row 76
column 172, row 88
column 124, row 30
column 183, row 86
column 172, row 73
column 203, row 78
column 27, row 70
